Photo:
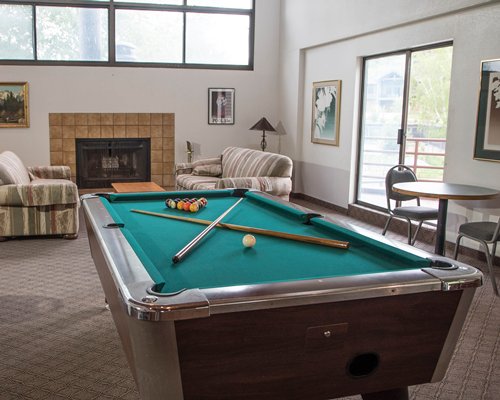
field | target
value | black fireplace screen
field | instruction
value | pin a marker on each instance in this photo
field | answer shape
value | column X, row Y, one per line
column 100, row 162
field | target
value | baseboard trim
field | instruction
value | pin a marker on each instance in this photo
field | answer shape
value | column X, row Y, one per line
column 379, row 218
column 427, row 233
column 322, row 203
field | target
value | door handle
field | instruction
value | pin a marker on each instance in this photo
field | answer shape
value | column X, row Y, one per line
column 401, row 135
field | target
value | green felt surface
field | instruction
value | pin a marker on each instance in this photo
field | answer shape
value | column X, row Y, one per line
column 221, row 260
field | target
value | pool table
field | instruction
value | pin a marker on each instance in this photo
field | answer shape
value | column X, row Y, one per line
column 280, row 320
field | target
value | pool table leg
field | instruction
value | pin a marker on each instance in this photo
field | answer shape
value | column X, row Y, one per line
column 394, row 394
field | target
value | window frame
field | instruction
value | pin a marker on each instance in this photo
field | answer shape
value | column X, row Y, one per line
column 408, row 53
column 111, row 6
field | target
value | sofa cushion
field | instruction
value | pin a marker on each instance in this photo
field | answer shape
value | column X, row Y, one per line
column 45, row 192
column 12, row 169
column 40, row 192
column 208, row 170
column 239, row 162
column 195, row 182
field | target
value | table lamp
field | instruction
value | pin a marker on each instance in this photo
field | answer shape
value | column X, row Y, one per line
column 189, row 151
column 263, row 125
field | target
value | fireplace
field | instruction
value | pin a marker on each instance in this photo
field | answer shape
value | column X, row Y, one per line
column 159, row 128
column 99, row 162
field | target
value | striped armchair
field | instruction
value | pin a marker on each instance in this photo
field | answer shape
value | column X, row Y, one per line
column 238, row 168
column 36, row 200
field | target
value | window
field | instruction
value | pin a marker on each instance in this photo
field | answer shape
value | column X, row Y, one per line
column 16, row 37
column 177, row 33
column 247, row 4
column 214, row 38
column 403, row 118
column 158, row 40
column 71, row 33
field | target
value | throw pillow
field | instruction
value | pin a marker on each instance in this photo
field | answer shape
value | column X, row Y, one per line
column 12, row 169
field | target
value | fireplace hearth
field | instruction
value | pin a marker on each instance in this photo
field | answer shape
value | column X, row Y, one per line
column 100, row 162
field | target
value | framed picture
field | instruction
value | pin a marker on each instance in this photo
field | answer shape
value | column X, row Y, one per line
column 220, row 106
column 487, row 146
column 326, row 112
column 14, row 105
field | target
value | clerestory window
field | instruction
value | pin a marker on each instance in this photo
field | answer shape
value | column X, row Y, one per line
column 167, row 33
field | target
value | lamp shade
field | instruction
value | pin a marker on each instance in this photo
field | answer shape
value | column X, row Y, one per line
column 263, row 125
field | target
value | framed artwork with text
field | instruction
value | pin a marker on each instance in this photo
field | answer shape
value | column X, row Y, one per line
column 220, row 106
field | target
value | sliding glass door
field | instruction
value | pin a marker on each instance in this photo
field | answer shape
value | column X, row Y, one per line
column 403, row 118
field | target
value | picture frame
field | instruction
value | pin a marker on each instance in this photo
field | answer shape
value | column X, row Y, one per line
column 14, row 105
column 487, row 141
column 221, row 106
column 326, row 96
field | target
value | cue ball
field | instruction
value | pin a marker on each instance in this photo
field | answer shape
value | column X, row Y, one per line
column 249, row 240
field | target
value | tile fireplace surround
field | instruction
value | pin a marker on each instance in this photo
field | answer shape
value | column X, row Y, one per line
column 64, row 128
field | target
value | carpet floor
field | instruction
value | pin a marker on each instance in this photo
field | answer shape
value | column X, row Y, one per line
column 57, row 340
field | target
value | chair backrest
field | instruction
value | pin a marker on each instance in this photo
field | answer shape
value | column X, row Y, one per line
column 496, row 234
column 397, row 174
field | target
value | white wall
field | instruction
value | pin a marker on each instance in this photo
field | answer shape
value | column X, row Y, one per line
column 297, row 42
column 181, row 91
column 328, row 41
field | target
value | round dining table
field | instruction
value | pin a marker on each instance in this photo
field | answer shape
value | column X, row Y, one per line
column 444, row 192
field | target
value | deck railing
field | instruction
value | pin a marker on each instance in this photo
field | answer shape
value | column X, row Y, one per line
column 412, row 159
column 373, row 180
column 418, row 152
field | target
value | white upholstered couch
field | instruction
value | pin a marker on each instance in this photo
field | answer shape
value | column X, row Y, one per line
column 238, row 168
column 36, row 200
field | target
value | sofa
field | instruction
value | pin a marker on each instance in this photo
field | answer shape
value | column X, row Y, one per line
column 36, row 200
column 238, row 168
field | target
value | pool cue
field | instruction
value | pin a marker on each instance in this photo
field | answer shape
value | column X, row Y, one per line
column 181, row 253
column 249, row 229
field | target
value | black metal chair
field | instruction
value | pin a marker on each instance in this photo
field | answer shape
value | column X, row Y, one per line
column 485, row 233
column 398, row 174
